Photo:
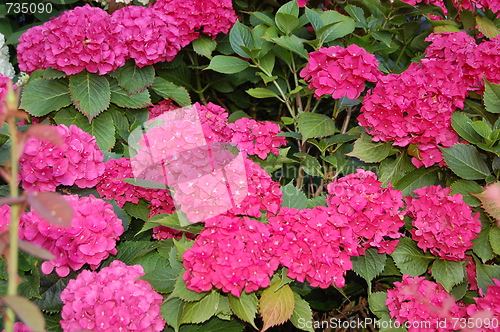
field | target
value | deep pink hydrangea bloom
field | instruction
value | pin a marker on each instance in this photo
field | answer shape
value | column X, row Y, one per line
column 314, row 244
column 4, row 218
column 373, row 212
column 111, row 186
column 82, row 38
column 419, row 300
column 488, row 60
column 472, row 5
column 20, row 327
column 490, row 303
column 471, row 273
column 149, row 34
column 112, row 299
column 228, row 255
column 78, row 161
column 256, row 137
column 90, row 239
column 218, row 16
column 443, row 223
column 162, row 107
column 340, row 72
column 162, row 233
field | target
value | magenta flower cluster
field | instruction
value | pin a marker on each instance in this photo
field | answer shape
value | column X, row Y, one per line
column 228, row 255
column 88, row 38
column 112, row 299
column 90, row 239
column 78, row 161
column 442, row 223
column 416, row 300
column 373, row 212
column 489, row 303
column 340, row 72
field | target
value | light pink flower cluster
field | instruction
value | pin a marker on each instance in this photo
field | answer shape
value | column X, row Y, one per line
column 416, row 300
column 264, row 194
column 82, row 38
column 314, row 244
column 256, row 137
column 90, row 239
column 443, row 223
column 78, row 161
column 373, row 212
column 490, row 303
column 340, row 72
column 112, row 299
column 20, row 327
column 149, row 35
column 111, row 186
column 228, row 255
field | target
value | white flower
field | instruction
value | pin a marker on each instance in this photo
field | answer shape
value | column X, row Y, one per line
column 6, row 67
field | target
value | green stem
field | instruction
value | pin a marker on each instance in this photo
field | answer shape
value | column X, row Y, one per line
column 14, row 224
column 399, row 58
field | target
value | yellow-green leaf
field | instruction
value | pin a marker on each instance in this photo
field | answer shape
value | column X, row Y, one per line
column 276, row 306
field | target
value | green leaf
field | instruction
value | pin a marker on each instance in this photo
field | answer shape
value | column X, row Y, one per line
column 245, row 307
column 276, row 306
column 264, row 18
column 302, row 317
column 286, row 22
column 215, row 325
column 171, row 311
column 120, row 97
column 291, row 8
column 134, row 79
column 462, row 124
column 180, row 291
column 240, row 35
column 314, row 18
column 487, row 27
column 128, row 251
column 310, row 164
column 494, row 237
column 368, row 151
column 198, row 312
column 377, row 304
column 335, row 26
column 261, row 93
column 492, row 97
column 102, row 126
column 315, row 125
column 162, row 279
column 418, row 178
column 448, row 273
column 485, row 274
column 482, row 128
column 172, row 221
column 169, row 90
column 358, row 14
column 465, row 188
column 204, row 46
column 182, row 245
column 482, row 247
column 50, row 300
column 292, row 43
column 50, row 74
column 391, row 171
column 41, row 97
column 293, row 197
column 90, row 93
column 369, row 265
column 227, row 64
column 410, row 259
column 465, row 161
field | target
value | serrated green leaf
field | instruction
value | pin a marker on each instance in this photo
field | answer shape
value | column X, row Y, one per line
column 51, row 74
column 313, row 125
column 139, row 210
column 448, row 273
column 293, row 197
column 182, row 245
column 465, row 161
column 245, row 307
column 276, row 305
column 204, row 46
column 482, row 247
column 50, row 300
column 410, row 259
column 172, row 221
column 162, row 279
column 201, row 311
column 41, row 97
column 171, row 311
column 302, row 317
column 180, row 291
column 368, row 151
column 377, row 304
column 485, row 274
column 240, row 35
column 487, row 27
column 494, row 237
column 462, row 124
column 310, row 164
column 227, row 64
column 418, row 178
column 369, row 265
column 465, row 188
column 492, row 97
column 128, row 251
column 261, row 93
column 152, row 261
column 121, row 98
column 132, row 78
column 169, row 90
column 90, row 93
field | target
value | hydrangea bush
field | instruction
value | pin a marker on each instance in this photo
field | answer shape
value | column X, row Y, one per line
column 248, row 165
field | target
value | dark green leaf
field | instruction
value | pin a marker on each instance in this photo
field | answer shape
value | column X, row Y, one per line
column 465, row 188
column 368, row 151
column 201, row 311
column 369, row 265
column 410, row 259
column 448, row 273
column 492, row 97
column 462, row 124
column 132, row 78
column 293, row 197
column 227, row 64
column 240, row 35
column 482, row 247
column 315, row 125
column 418, row 178
column 204, row 46
column 169, row 90
column 122, row 98
column 90, row 93
column 465, row 161
column 261, row 93
column 41, row 97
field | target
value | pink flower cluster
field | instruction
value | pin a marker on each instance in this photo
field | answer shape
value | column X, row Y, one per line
column 416, row 300
column 112, row 299
column 4, row 218
column 228, row 255
column 256, row 137
column 472, row 5
column 82, row 38
column 78, row 161
column 111, row 186
column 373, row 212
column 314, row 244
column 340, row 72
column 4, row 81
column 489, row 303
column 90, row 239
column 443, row 223
column 487, row 57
